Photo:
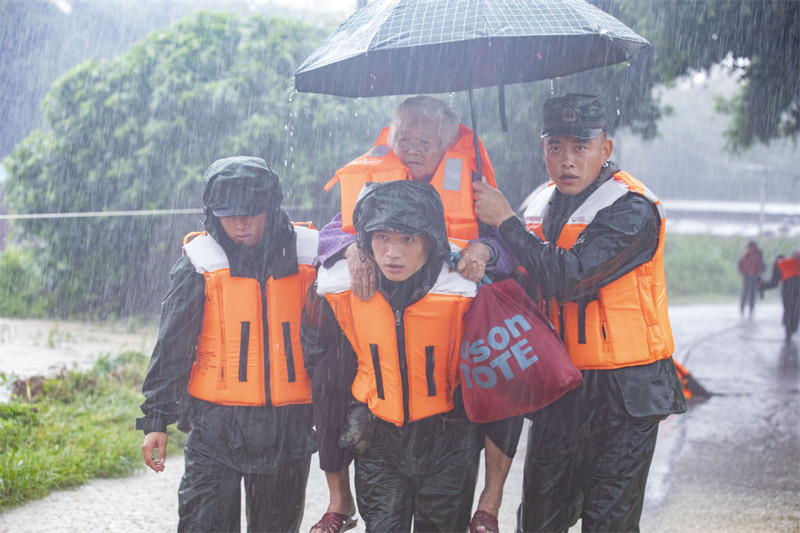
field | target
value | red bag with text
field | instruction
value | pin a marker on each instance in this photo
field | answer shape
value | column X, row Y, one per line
column 512, row 360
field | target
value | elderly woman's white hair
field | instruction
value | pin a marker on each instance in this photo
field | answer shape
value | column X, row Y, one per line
column 426, row 107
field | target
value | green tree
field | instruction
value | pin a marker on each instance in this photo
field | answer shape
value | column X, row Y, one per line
column 136, row 133
column 694, row 34
column 686, row 36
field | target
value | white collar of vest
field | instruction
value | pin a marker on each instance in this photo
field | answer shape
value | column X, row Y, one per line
column 336, row 279
column 307, row 241
column 206, row 254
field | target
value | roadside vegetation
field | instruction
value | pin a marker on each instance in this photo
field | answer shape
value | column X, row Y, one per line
column 702, row 268
column 60, row 432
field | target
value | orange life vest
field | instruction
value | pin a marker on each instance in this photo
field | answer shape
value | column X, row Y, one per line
column 452, row 180
column 789, row 267
column 628, row 323
column 415, row 384
column 229, row 367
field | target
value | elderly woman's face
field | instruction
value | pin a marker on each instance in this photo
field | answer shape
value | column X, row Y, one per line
column 418, row 146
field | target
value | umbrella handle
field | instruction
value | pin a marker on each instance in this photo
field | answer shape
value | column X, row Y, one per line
column 501, row 102
column 475, row 136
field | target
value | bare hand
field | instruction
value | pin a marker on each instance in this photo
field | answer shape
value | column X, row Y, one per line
column 155, row 441
column 363, row 277
column 472, row 264
column 491, row 207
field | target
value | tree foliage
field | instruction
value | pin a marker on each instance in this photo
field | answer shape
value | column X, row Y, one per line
column 136, row 133
column 691, row 35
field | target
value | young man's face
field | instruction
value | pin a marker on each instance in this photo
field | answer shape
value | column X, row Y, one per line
column 418, row 146
column 245, row 230
column 573, row 163
column 399, row 256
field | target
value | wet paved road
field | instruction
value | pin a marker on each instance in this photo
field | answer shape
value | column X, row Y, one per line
column 730, row 464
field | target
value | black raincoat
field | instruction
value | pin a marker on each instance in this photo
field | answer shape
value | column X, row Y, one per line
column 589, row 453
column 424, row 470
column 270, row 446
column 790, row 296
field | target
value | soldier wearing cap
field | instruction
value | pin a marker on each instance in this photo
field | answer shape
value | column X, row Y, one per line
column 592, row 243
column 227, row 361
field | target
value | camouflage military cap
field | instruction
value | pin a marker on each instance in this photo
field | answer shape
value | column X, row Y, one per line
column 577, row 115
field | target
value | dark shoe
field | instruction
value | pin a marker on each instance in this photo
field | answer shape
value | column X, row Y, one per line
column 485, row 519
column 335, row 523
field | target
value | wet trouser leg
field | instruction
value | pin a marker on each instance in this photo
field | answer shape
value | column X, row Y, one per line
column 551, row 488
column 333, row 378
column 423, row 473
column 596, row 474
column 382, row 491
column 790, row 293
column 453, row 489
column 750, row 286
column 209, row 496
column 618, row 467
column 275, row 502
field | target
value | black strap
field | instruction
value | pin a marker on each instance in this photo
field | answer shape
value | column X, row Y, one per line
column 287, row 350
column 581, row 322
column 430, row 362
column 244, row 345
column 376, row 364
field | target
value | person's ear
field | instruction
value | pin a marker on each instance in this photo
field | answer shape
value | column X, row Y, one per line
column 607, row 148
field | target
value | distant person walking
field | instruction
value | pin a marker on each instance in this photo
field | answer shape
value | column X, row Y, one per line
column 786, row 271
column 750, row 265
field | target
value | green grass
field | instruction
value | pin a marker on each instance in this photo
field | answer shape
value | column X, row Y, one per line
column 79, row 426
column 702, row 268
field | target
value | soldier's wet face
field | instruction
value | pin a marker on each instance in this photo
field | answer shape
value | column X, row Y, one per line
column 574, row 163
column 246, row 230
column 399, row 256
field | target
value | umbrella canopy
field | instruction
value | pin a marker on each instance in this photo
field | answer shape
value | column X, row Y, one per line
column 394, row 47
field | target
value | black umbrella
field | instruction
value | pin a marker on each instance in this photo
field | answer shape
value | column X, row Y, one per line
column 393, row 47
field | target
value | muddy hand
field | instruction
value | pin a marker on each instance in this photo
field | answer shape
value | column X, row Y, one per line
column 363, row 276
column 472, row 264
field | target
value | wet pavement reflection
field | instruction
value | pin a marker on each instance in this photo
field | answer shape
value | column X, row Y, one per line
column 732, row 462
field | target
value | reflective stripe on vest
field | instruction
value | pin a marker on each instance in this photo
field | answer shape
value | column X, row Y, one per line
column 419, row 383
column 628, row 324
column 229, row 368
column 452, row 180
